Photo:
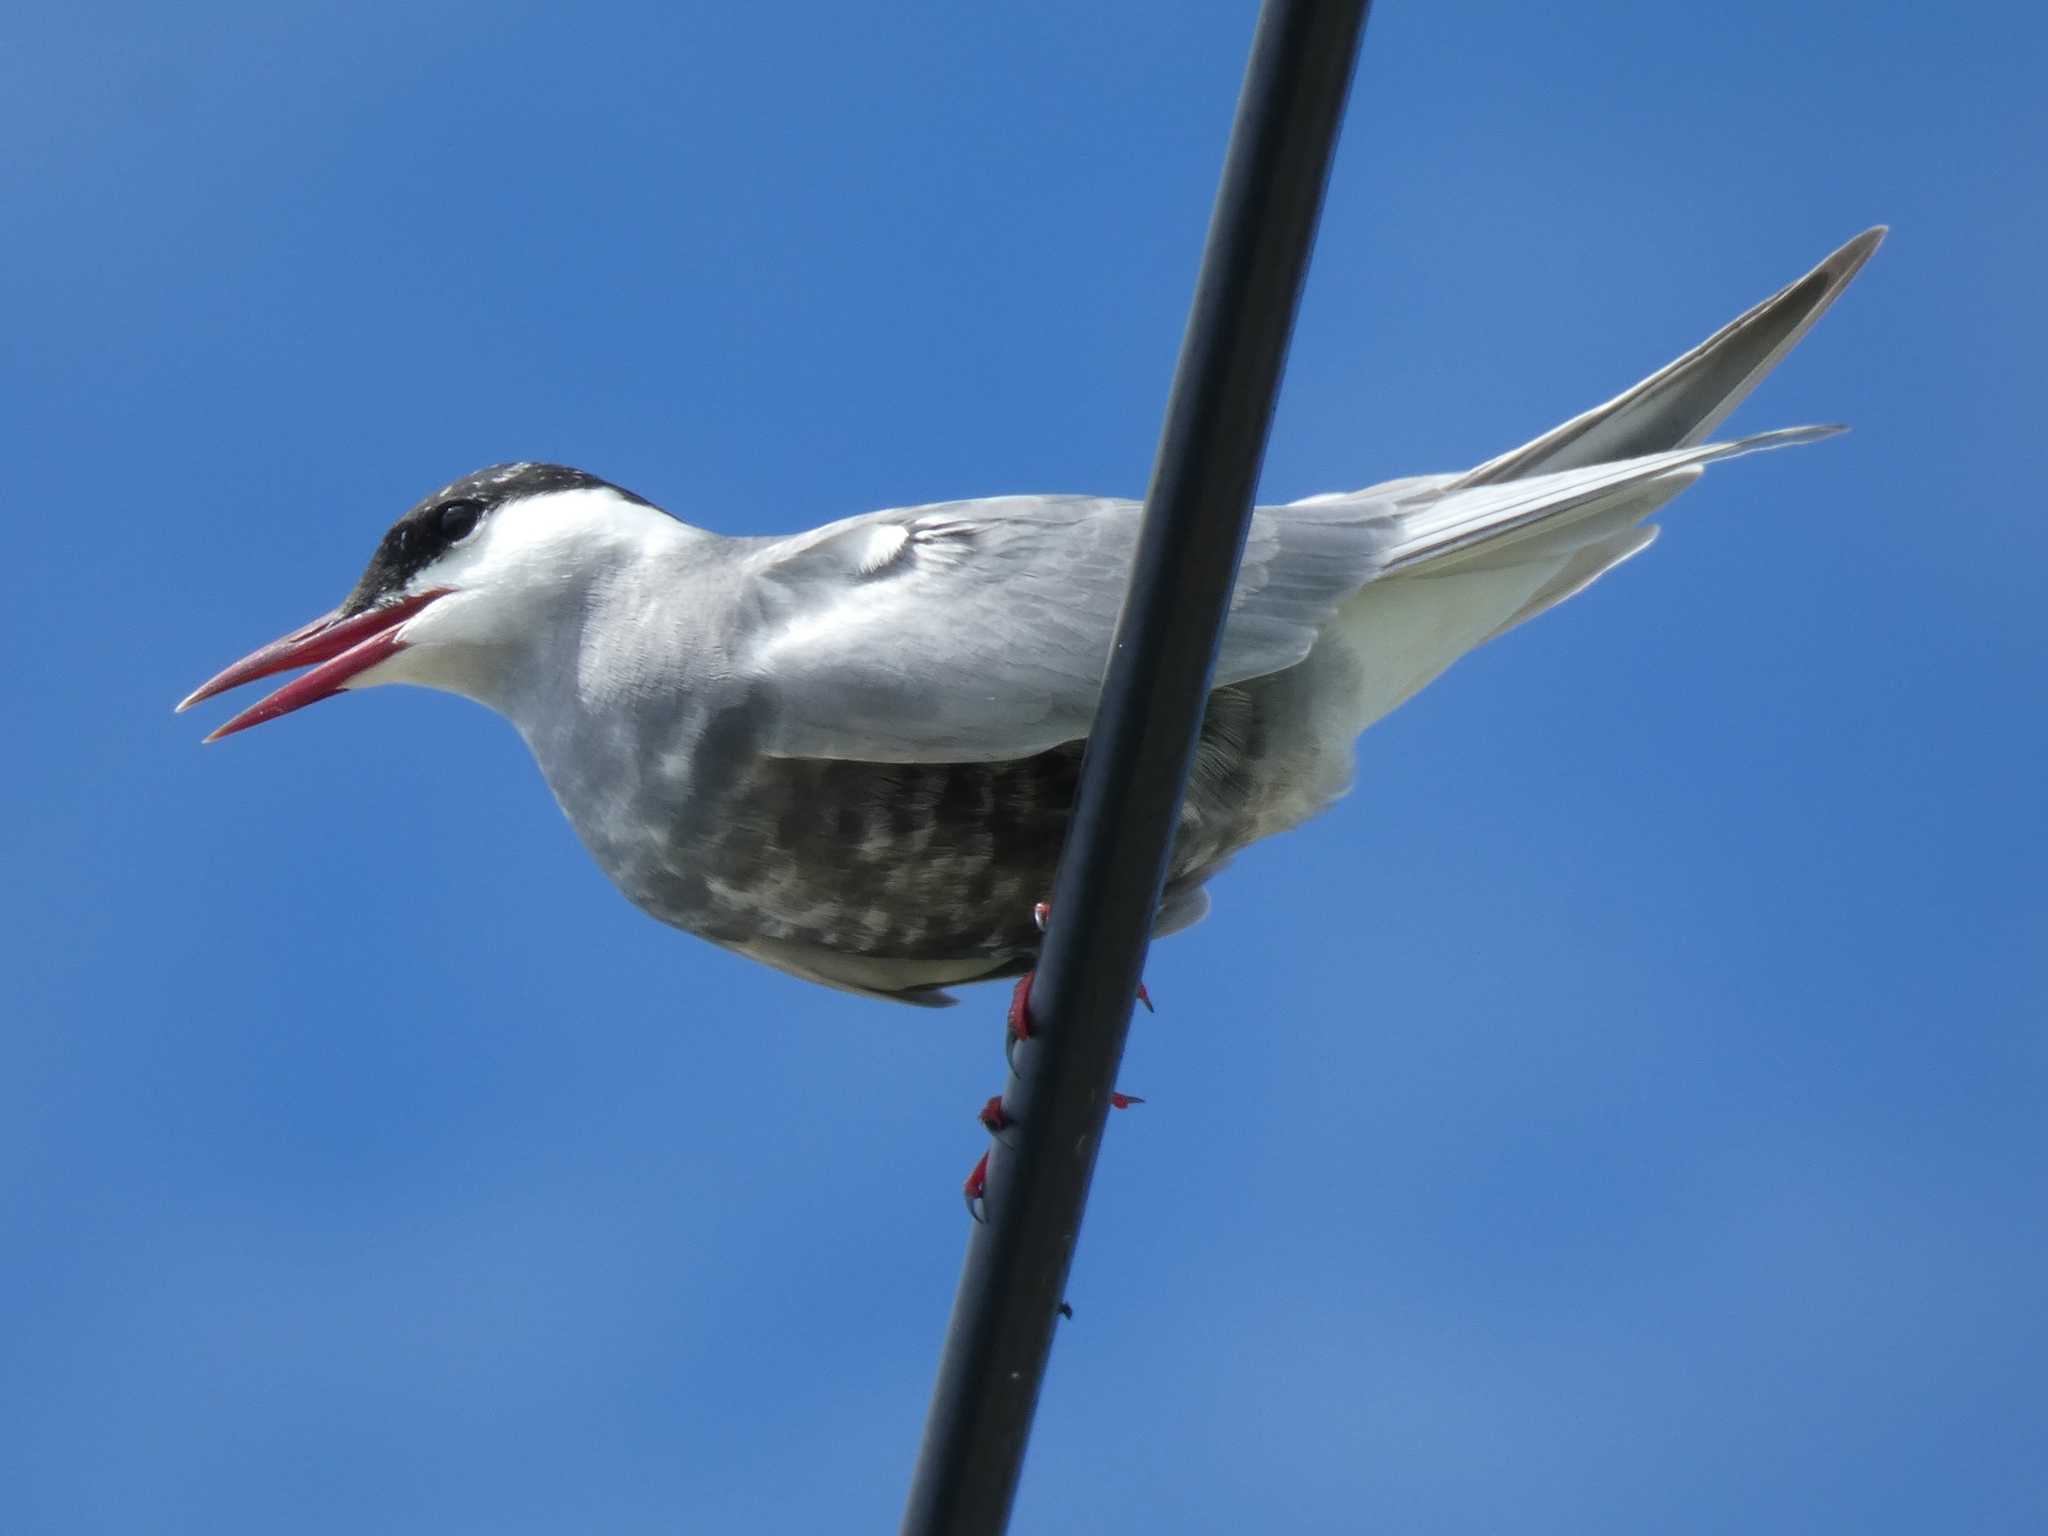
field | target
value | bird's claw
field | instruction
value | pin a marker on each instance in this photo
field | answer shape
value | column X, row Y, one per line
column 1020, row 1000
column 1019, row 1020
column 975, row 1188
column 996, row 1120
column 992, row 1115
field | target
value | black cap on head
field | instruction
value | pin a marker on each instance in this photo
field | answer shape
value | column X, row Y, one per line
column 425, row 533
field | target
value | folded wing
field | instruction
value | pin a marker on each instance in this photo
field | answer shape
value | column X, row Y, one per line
column 980, row 630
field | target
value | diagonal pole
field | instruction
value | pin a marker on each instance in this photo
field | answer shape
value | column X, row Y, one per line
column 1146, row 725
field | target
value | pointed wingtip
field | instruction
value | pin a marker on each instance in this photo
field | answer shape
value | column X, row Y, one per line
column 1848, row 259
column 1793, row 437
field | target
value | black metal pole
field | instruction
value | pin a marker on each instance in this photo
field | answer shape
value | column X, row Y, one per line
column 1196, row 514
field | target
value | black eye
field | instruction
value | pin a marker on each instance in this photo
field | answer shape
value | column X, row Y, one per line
column 458, row 518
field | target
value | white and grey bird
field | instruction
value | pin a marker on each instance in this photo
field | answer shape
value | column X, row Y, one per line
column 851, row 753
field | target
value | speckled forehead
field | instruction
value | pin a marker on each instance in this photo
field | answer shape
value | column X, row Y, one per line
column 416, row 540
column 501, row 483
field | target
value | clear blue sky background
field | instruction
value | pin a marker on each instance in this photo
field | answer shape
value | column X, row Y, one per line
column 1623, row 1113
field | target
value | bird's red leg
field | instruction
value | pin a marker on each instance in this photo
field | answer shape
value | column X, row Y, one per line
column 1020, row 1007
column 1020, row 998
column 992, row 1114
column 996, row 1120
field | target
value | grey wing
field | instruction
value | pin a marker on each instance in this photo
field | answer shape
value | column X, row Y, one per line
column 979, row 630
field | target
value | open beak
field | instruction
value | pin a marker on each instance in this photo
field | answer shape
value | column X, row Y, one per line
column 336, row 648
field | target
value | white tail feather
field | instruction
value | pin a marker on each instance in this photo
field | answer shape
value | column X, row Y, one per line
column 1480, row 561
column 1484, row 519
column 1580, row 572
column 1471, row 556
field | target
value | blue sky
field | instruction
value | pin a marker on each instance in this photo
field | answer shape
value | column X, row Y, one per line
column 1624, row 1112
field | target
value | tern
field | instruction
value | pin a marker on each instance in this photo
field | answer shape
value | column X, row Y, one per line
column 851, row 753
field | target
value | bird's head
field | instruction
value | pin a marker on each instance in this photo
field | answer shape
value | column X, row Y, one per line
column 461, row 583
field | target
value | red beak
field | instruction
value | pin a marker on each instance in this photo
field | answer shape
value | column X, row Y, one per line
column 336, row 648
